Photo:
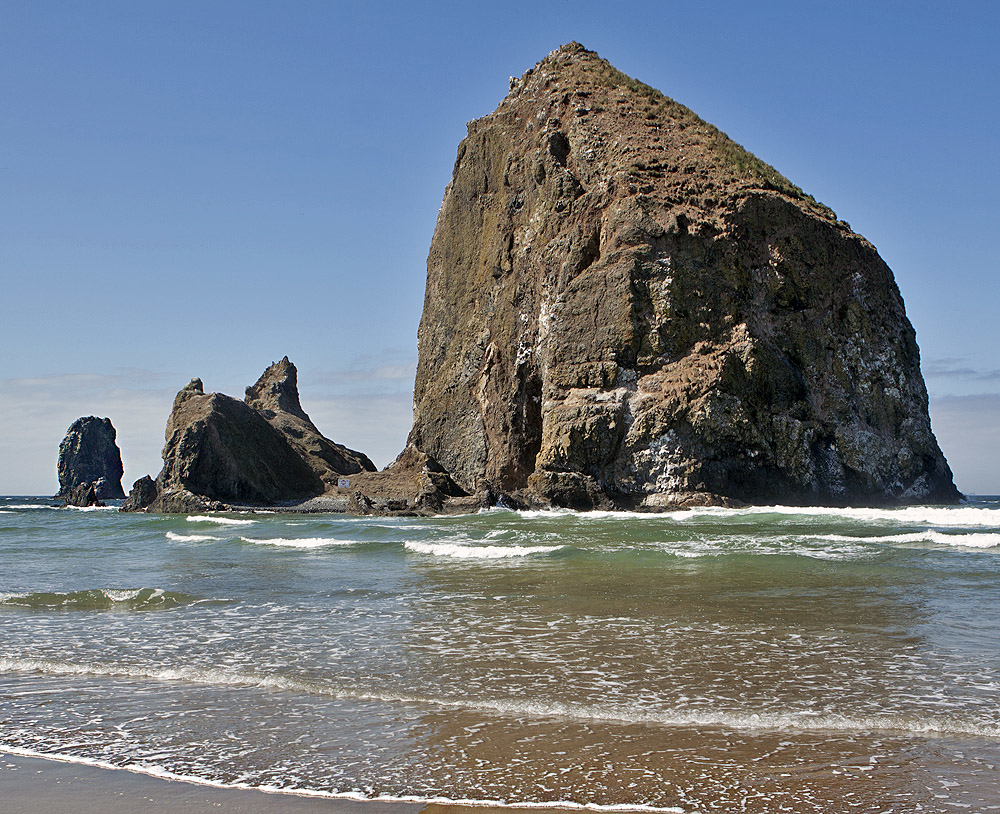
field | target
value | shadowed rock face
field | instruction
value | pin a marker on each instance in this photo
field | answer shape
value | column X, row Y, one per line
column 624, row 307
column 89, row 455
column 263, row 451
column 219, row 448
column 276, row 397
column 142, row 494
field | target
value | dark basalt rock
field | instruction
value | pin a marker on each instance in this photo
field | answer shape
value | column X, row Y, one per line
column 89, row 455
column 83, row 496
column 142, row 494
column 221, row 452
column 625, row 308
column 218, row 448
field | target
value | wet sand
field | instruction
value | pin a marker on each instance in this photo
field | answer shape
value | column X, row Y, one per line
column 31, row 785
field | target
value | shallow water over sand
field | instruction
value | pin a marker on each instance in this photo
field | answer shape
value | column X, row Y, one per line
column 761, row 660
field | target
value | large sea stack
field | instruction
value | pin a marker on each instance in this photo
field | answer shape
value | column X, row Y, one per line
column 625, row 308
column 90, row 463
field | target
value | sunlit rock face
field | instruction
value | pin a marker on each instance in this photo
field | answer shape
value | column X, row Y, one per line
column 625, row 308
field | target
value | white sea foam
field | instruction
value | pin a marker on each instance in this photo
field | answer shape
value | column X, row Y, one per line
column 943, row 516
column 151, row 770
column 737, row 720
column 124, row 595
column 301, row 542
column 222, row 521
column 28, row 506
column 769, row 546
column 956, row 516
column 970, row 540
column 92, row 508
column 191, row 538
column 477, row 552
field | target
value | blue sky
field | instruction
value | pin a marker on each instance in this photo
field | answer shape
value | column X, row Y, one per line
column 199, row 188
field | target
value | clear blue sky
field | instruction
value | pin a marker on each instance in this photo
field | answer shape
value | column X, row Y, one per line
column 199, row 188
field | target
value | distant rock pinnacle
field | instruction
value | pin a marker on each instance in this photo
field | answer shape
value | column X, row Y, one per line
column 89, row 456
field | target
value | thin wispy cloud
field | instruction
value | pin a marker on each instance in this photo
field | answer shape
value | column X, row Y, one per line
column 392, row 375
column 958, row 368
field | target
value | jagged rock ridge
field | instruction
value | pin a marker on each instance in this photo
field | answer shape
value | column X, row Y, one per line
column 276, row 397
column 624, row 307
column 90, row 464
column 263, row 451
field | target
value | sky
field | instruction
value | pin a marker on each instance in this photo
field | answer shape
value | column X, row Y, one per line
column 200, row 188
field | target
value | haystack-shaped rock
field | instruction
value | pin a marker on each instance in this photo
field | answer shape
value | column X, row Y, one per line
column 276, row 397
column 624, row 307
column 89, row 456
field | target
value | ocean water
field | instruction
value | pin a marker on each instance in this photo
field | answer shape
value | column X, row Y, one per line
column 761, row 660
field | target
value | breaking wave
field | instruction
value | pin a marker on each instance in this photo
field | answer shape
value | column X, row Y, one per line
column 97, row 599
column 301, row 542
column 941, row 516
column 222, row 521
column 478, row 552
column 191, row 538
column 972, row 540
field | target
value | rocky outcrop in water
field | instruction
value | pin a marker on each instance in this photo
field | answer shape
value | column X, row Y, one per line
column 625, row 308
column 142, row 494
column 89, row 456
column 83, row 496
column 265, row 451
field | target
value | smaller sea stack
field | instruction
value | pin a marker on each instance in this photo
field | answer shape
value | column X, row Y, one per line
column 89, row 457
column 259, row 452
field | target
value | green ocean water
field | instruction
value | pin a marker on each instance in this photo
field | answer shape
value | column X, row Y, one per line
column 762, row 660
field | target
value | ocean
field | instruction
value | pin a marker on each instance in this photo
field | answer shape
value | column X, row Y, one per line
column 759, row 660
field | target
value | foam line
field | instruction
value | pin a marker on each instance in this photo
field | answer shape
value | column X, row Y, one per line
column 165, row 774
column 638, row 714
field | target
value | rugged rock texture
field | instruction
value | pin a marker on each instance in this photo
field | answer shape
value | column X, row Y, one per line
column 218, row 448
column 83, row 495
column 624, row 307
column 276, row 397
column 142, row 494
column 221, row 451
column 89, row 455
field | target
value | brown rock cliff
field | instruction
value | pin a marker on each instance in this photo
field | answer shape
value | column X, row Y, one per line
column 625, row 308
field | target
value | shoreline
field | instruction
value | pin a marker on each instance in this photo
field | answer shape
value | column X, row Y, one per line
column 52, row 784
column 36, row 784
